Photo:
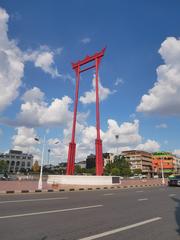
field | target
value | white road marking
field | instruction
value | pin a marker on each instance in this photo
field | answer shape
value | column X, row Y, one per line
column 142, row 199
column 139, row 191
column 33, row 200
column 108, row 194
column 117, row 230
column 172, row 195
column 48, row 212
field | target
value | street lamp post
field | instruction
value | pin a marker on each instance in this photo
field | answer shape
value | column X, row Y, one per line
column 49, row 151
column 162, row 172
column 42, row 161
column 117, row 137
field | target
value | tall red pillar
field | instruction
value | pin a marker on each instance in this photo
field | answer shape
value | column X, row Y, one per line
column 98, row 142
column 72, row 144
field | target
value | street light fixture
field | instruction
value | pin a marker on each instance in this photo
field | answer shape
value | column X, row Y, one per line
column 117, row 137
column 49, row 150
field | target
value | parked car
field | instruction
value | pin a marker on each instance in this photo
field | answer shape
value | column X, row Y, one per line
column 3, row 177
column 132, row 177
column 175, row 181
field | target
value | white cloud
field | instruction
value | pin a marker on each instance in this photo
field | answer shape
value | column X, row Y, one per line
column 36, row 112
column 85, row 138
column 33, row 95
column 11, row 65
column 177, row 152
column 90, row 96
column 149, row 146
column 86, row 40
column 44, row 59
column 164, row 97
column 12, row 61
column 119, row 81
column 24, row 140
column 128, row 134
column 58, row 151
column 162, row 125
column 25, row 136
column 129, row 138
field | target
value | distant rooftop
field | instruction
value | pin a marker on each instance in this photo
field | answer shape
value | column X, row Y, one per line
column 162, row 153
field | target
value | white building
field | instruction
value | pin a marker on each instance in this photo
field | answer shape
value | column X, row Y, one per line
column 108, row 158
column 139, row 160
column 82, row 164
column 177, row 164
column 17, row 160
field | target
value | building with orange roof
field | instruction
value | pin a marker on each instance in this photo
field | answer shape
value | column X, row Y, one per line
column 164, row 160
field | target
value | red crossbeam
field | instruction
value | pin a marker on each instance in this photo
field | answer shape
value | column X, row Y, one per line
column 88, row 59
column 85, row 69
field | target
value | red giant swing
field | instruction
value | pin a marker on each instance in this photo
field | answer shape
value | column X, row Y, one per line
column 96, row 58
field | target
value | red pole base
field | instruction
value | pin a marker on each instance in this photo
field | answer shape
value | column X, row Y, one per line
column 99, row 158
column 71, row 159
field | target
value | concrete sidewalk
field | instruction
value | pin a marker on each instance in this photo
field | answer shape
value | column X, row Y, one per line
column 25, row 186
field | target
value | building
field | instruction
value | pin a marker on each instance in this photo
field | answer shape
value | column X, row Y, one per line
column 82, row 164
column 108, row 158
column 91, row 161
column 140, row 160
column 17, row 160
column 165, row 160
column 177, row 166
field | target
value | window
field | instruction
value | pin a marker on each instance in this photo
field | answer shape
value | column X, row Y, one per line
column 12, row 163
column 17, row 163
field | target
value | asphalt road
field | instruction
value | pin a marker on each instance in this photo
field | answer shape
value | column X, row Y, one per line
column 138, row 214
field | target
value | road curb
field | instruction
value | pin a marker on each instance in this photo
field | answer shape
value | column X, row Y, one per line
column 24, row 191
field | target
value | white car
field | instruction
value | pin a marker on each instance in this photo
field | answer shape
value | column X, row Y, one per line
column 156, row 176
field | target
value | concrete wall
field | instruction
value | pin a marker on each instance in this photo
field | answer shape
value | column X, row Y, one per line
column 79, row 180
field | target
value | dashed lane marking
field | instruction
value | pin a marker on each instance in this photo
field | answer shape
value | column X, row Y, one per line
column 49, row 212
column 142, row 199
column 108, row 194
column 117, row 230
column 172, row 195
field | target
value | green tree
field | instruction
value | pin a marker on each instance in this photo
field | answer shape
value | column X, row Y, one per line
column 137, row 171
column 78, row 169
column 115, row 172
column 119, row 163
column 91, row 171
column 108, row 168
column 3, row 166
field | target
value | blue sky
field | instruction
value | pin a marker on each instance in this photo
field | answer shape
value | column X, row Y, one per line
column 42, row 38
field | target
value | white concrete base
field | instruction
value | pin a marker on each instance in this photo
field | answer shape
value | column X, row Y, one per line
column 82, row 180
